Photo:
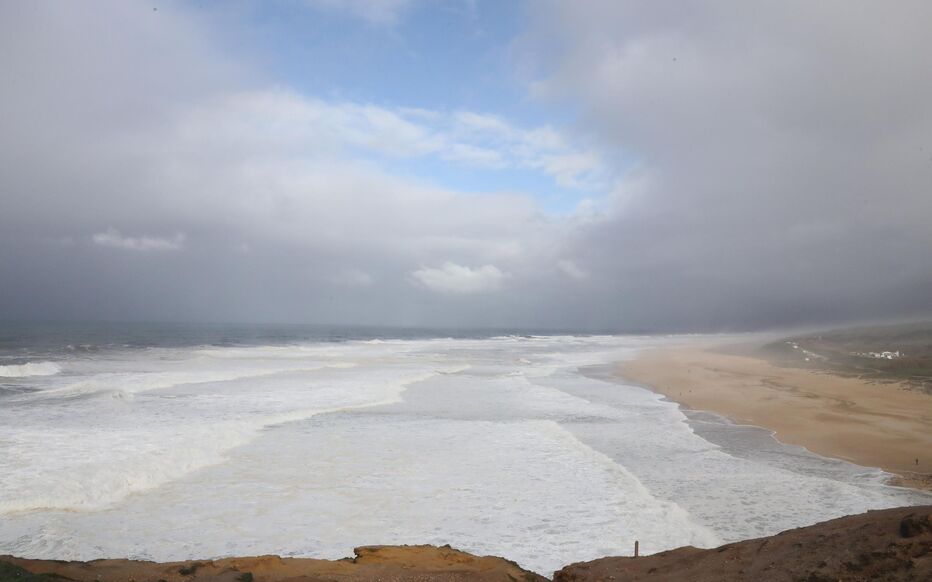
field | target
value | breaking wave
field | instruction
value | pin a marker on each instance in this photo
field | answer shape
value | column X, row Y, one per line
column 29, row 369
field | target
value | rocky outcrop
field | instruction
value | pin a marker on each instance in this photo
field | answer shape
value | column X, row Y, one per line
column 892, row 545
column 387, row 563
column 888, row 545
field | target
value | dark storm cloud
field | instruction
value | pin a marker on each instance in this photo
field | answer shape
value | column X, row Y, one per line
column 782, row 155
column 771, row 166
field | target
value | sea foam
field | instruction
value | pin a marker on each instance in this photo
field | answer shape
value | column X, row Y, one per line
column 87, row 445
column 30, row 369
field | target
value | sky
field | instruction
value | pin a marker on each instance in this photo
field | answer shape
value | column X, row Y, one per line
column 595, row 165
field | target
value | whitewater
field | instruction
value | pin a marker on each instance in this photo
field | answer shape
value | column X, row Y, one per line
column 527, row 447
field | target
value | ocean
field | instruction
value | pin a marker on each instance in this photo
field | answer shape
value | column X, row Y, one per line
column 170, row 442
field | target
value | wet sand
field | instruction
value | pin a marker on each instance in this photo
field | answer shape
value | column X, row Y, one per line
column 874, row 424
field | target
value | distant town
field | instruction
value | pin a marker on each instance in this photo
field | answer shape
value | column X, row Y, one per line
column 880, row 355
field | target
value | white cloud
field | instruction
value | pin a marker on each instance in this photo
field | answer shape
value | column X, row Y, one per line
column 457, row 279
column 281, row 118
column 468, row 121
column 113, row 239
column 475, row 156
column 377, row 12
column 540, row 148
column 570, row 169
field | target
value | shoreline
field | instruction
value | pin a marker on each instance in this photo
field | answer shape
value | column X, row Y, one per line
column 871, row 424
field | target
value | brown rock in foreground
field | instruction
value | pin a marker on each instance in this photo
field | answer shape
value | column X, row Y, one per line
column 892, row 544
column 387, row 563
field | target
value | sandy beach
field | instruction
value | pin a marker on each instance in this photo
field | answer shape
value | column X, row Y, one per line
column 869, row 423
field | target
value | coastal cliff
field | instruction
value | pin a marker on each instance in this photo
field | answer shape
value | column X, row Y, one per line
column 387, row 563
column 891, row 545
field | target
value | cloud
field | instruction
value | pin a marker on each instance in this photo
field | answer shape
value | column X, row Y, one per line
column 457, row 279
column 386, row 13
column 774, row 159
column 541, row 148
column 350, row 277
column 113, row 239
column 375, row 12
column 571, row 170
column 572, row 270
column 311, row 187
column 750, row 182
column 285, row 119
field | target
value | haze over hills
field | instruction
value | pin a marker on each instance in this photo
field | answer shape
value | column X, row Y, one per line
column 901, row 353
